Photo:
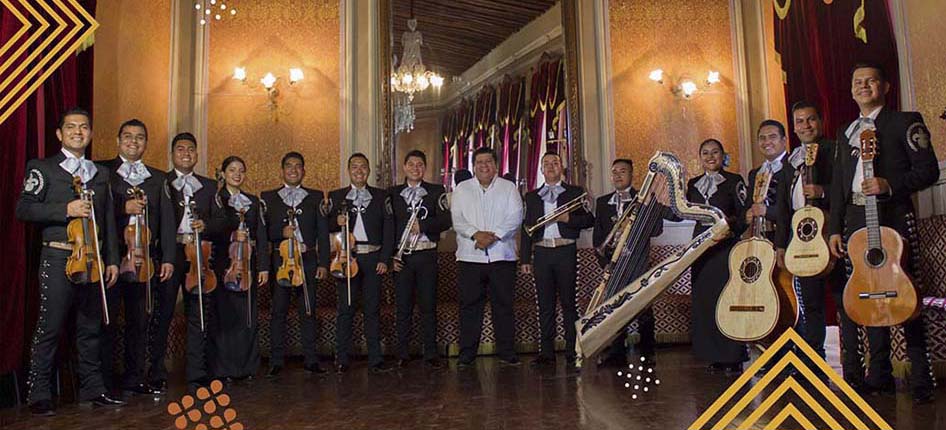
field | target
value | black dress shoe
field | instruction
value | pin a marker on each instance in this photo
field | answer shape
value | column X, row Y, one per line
column 158, row 386
column 465, row 364
column 144, row 389
column 43, row 408
column 403, row 362
column 433, row 363
column 380, row 368
column 542, row 362
column 315, row 368
column 510, row 362
column 102, row 401
column 879, row 390
column 273, row 371
column 342, row 368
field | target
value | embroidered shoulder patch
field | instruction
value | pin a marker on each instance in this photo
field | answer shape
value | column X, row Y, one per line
column 33, row 183
column 325, row 208
column 388, row 206
column 741, row 192
column 443, row 202
column 918, row 136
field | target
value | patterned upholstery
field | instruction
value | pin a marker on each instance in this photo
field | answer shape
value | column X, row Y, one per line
column 672, row 312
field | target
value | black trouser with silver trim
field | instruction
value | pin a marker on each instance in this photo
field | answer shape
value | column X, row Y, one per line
column 308, row 325
column 135, row 333
column 499, row 280
column 556, row 275
column 418, row 274
column 57, row 296
column 366, row 285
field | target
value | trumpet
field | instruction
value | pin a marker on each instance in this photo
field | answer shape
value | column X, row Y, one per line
column 408, row 240
column 571, row 206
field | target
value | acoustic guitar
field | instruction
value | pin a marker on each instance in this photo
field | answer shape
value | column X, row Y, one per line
column 807, row 254
column 878, row 293
column 749, row 307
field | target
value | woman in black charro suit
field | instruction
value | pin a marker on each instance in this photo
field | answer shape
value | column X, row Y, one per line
column 709, row 274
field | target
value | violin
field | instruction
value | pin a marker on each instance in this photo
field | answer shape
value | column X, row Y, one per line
column 291, row 272
column 200, row 275
column 344, row 265
column 137, row 266
column 239, row 275
column 84, row 265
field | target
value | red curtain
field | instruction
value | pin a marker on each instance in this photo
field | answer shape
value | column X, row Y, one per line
column 28, row 133
column 545, row 97
column 509, row 102
column 818, row 44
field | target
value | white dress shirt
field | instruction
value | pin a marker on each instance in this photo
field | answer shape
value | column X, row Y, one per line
column 185, row 226
column 551, row 229
column 854, row 139
column 496, row 208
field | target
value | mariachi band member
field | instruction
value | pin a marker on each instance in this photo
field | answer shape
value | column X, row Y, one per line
column 904, row 164
column 369, row 219
column 311, row 232
column 416, row 268
column 710, row 273
column 183, row 186
column 487, row 214
column 49, row 201
column 556, row 255
column 773, row 144
column 608, row 208
column 237, row 337
column 128, row 173
column 790, row 197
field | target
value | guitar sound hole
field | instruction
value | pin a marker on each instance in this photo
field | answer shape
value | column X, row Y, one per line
column 875, row 257
column 807, row 229
column 750, row 270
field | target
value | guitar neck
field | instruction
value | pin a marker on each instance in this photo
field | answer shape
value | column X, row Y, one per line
column 870, row 211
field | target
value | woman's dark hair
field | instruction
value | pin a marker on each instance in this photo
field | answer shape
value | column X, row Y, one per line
column 230, row 159
column 711, row 140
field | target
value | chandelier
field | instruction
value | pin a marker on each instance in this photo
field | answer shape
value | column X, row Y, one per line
column 411, row 76
column 404, row 115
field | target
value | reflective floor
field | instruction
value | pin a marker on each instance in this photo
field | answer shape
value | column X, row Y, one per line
column 488, row 396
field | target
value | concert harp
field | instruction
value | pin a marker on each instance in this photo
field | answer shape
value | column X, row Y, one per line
column 628, row 285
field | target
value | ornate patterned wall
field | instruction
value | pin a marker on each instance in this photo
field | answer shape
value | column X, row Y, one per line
column 132, row 51
column 274, row 36
column 924, row 27
column 691, row 38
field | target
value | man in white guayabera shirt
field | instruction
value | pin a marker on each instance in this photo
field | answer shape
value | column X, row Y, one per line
column 487, row 213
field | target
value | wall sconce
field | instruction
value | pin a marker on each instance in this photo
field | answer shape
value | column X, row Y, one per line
column 269, row 83
column 686, row 88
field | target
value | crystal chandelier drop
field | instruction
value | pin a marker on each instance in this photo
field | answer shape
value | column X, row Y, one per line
column 411, row 76
column 404, row 115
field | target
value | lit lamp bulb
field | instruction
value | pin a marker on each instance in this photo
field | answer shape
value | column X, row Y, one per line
column 268, row 81
column 407, row 79
column 688, row 88
column 239, row 74
column 295, row 75
column 657, row 76
column 712, row 77
column 436, row 80
column 422, row 82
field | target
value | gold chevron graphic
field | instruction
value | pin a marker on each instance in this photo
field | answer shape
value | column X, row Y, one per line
column 789, row 385
column 50, row 31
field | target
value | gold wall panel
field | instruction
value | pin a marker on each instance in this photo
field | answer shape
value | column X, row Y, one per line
column 273, row 36
column 925, row 30
column 132, row 51
column 689, row 38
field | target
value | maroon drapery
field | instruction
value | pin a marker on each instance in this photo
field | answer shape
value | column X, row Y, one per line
column 818, row 46
column 509, row 102
column 484, row 116
column 545, row 97
column 28, row 133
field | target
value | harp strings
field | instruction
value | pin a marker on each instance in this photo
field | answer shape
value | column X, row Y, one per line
column 634, row 255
